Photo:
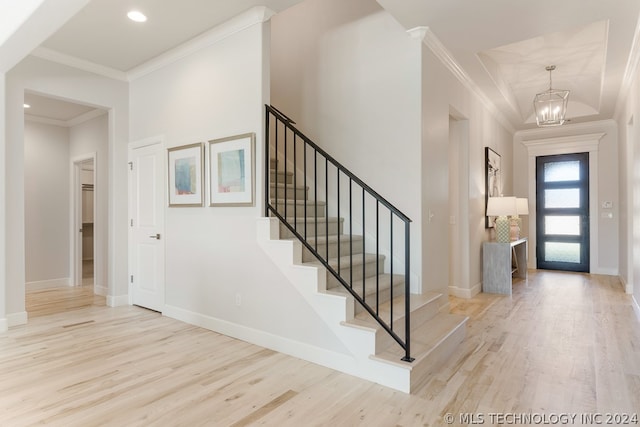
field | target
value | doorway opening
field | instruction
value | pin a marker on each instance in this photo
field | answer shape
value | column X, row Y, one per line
column 458, row 238
column 562, row 200
column 84, row 201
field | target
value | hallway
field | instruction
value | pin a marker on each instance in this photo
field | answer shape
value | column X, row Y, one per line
column 563, row 343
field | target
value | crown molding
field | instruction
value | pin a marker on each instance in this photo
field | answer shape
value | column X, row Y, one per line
column 253, row 16
column 559, row 131
column 443, row 54
column 81, row 64
column 418, row 33
column 629, row 72
column 45, row 121
column 89, row 115
column 66, row 123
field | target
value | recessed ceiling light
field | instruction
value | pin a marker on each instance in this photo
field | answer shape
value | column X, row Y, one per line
column 26, row 105
column 137, row 16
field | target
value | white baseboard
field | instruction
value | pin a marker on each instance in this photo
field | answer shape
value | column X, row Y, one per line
column 117, row 301
column 606, row 271
column 48, row 284
column 368, row 369
column 4, row 325
column 253, row 336
column 100, row 290
column 628, row 287
column 17, row 319
column 636, row 306
column 465, row 292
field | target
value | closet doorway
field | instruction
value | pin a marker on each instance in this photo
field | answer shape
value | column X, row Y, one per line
column 84, row 219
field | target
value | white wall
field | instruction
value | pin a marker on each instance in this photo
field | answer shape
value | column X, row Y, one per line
column 628, row 121
column 92, row 137
column 212, row 255
column 348, row 74
column 605, row 253
column 379, row 101
column 46, row 186
column 443, row 96
column 4, row 324
column 48, row 78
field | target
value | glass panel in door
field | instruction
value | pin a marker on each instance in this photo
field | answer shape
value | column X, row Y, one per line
column 563, row 212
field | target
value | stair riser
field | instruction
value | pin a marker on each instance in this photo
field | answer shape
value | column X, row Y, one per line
column 427, row 367
column 273, row 164
column 287, row 193
column 384, row 297
column 333, row 250
column 335, row 228
column 282, row 178
column 294, row 210
column 358, row 274
column 418, row 318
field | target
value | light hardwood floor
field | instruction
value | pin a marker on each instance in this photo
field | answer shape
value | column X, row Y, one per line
column 563, row 343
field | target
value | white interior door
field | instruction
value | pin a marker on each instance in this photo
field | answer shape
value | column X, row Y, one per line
column 146, row 237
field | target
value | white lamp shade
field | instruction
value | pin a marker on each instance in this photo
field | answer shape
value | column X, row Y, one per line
column 522, row 205
column 501, row 206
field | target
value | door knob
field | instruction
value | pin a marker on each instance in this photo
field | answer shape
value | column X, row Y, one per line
column 157, row 236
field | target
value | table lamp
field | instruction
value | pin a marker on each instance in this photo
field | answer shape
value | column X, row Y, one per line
column 522, row 208
column 502, row 207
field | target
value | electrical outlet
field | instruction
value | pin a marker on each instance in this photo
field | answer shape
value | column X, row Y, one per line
column 238, row 300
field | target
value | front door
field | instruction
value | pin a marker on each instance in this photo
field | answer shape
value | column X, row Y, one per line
column 562, row 184
column 146, row 237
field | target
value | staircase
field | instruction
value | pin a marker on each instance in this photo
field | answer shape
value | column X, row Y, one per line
column 361, row 301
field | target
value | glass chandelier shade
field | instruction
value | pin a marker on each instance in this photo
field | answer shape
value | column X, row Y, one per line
column 551, row 106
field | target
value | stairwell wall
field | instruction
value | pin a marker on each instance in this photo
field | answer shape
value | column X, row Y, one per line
column 217, row 275
column 379, row 100
column 348, row 74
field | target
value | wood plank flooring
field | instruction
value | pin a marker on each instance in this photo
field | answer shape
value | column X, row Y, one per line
column 563, row 343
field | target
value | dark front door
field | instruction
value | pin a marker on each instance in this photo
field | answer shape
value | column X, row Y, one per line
column 563, row 212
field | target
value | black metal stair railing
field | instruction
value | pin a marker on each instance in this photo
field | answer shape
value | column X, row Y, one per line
column 306, row 163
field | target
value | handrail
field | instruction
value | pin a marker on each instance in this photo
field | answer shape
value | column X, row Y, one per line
column 340, row 171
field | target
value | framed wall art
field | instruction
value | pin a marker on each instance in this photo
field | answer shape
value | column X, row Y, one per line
column 232, row 170
column 186, row 175
column 493, row 184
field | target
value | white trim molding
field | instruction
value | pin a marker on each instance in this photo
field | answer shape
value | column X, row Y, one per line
column 566, row 145
column 466, row 293
column 253, row 16
column 17, row 319
column 448, row 60
column 48, row 284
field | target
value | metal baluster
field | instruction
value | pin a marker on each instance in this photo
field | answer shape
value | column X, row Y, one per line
column 306, row 198
column 350, row 233
column 391, row 268
column 295, row 183
column 315, row 193
column 339, row 234
column 364, row 254
column 407, row 293
column 267, row 161
column 378, row 258
column 286, row 188
column 326, row 202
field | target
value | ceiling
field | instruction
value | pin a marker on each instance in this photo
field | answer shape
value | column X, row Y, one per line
column 501, row 47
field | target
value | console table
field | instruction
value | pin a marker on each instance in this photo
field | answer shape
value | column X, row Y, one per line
column 501, row 261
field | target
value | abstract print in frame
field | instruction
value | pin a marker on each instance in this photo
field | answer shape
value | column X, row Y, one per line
column 185, row 175
column 493, row 184
column 231, row 170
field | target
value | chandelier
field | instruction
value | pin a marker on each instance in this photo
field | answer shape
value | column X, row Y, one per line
column 551, row 106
